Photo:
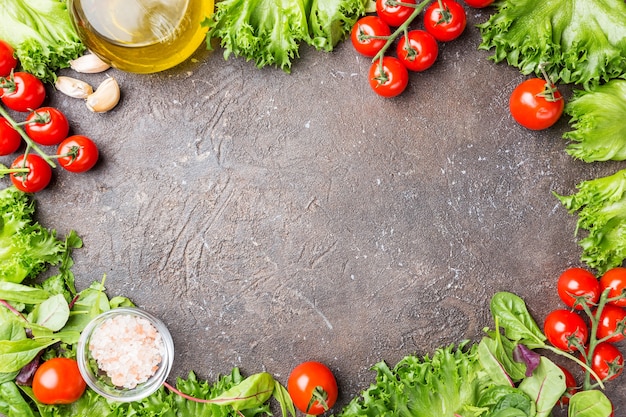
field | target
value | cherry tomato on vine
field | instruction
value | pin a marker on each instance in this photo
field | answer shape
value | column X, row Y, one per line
column 607, row 361
column 36, row 178
column 10, row 139
column 445, row 20
column 22, row 91
column 578, row 282
column 534, row 105
column 417, row 50
column 564, row 329
column 77, row 153
column 312, row 388
column 570, row 384
column 615, row 280
column 8, row 62
column 362, row 33
column 610, row 318
column 388, row 77
column 392, row 13
column 47, row 126
column 479, row 4
column 58, row 381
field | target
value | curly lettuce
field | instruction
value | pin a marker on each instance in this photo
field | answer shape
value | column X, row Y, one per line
column 597, row 117
column 578, row 41
column 270, row 32
column 601, row 207
column 42, row 35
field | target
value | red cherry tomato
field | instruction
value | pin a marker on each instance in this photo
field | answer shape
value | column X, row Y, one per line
column 8, row 62
column 533, row 107
column 607, row 361
column 10, row 139
column 446, row 22
column 615, row 281
column 479, row 4
column 22, row 92
column 312, row 388
column 388, row 77
column 417, row 50
column 610, row 317
column 58, row 381
column 578, row 282
column 47, row 126
column 564, row 329
column 364, row 30
column 77, row 153
column 38, row 176
column 571, row 387
column 392, row 13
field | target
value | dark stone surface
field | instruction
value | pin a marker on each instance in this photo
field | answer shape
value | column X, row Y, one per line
column 272, row 218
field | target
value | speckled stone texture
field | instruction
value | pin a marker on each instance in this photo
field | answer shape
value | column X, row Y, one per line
column 271, row 218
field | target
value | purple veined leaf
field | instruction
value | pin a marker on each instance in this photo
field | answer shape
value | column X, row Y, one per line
column 523, row 354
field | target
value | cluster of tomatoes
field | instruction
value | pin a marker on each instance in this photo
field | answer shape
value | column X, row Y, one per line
column 43, row 126
column 594, row 334
column 416, row 49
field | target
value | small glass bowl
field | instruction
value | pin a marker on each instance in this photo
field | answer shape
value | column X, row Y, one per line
column 97, row 379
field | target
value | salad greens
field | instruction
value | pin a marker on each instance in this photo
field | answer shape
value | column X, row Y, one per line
column 578, row 41
column 597, row 119
column 42, row 35
column 26, row 247
column 270, row 32
column 601, row 207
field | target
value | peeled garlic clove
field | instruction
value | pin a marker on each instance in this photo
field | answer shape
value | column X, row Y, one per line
column 106, row 96
column 73, row 87
column 89, row 64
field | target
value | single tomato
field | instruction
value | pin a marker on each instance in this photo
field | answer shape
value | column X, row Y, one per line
column 8, row 61
column 565, row 330
column 479, row 4
column 535, row 105
column 614, row 280
column 388, row 77
column 22, row 92
column 77, row 153
column 578, row 284
column 369, row 35
column 58, row 381
column 417, row 50
column 445, row 20
column 47, row 126
column 312, row 388
column 611, row 323
column 37, row 174
column 393, row 13
column 10, row 139
column 607, row 361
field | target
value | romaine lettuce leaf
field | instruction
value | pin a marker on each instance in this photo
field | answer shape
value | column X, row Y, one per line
column 578, row 41
column 597, row 117
column 601, row 207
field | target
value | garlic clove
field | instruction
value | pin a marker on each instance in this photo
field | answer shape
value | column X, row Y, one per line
column 106, row 96
column 73, row 87
column 89, row 64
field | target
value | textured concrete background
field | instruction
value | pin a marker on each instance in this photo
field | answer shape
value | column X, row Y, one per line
column 270, row 218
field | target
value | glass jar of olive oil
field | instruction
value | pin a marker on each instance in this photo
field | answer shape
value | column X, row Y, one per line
column 141, row 36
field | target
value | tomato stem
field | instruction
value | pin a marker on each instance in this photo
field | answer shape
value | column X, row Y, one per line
column 401, row 29
column 30, row 144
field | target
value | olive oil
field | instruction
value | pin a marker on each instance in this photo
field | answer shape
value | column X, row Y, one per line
column 141, row 36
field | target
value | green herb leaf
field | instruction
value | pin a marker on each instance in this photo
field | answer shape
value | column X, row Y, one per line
column 52, row 313
column 510, row 311
column 592, row 403
column 15, row 354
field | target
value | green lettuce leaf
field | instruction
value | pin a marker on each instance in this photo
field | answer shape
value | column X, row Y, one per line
column 450, row 383
column 270, row 32
column 597, row 117
column 578, row 41
column 42, row 35
column 601, row 207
